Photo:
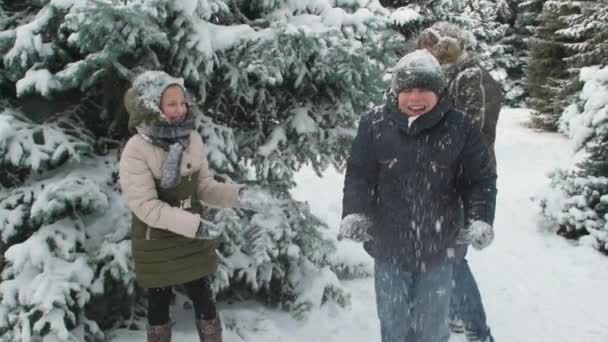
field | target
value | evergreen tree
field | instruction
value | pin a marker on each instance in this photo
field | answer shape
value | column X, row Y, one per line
column 524, row 18
column 585, row 120
column 410, row 17
column 494, row 41
column 590, row 29
column 549, row 80
column 528, row 16
column 513, row 55
column 579, row 203
column 587, row 32
column 279, row 85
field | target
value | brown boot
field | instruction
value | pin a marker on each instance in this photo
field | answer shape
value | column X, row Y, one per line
column 159, row 333
column 209, row 330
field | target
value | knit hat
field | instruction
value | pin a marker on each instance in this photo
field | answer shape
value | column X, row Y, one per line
column 142, row 100
column 418, row 69
column 445, row 40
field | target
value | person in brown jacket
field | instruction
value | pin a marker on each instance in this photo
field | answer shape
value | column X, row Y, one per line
column 472, row 90
column 165, row 176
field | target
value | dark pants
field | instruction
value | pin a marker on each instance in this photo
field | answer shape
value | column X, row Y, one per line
column 413, row 306
column 200, row 293
column 466, row 302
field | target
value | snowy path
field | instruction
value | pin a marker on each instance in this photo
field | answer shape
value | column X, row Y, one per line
column 536, row 286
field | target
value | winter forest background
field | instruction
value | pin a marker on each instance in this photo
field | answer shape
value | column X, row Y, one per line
column 280, row 84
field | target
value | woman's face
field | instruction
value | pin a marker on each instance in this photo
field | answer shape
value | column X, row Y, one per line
column 173, row 104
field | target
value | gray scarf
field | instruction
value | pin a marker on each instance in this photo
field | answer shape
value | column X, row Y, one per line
column 173, row 137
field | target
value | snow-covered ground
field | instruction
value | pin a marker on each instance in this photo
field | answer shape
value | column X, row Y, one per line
column 536, row 286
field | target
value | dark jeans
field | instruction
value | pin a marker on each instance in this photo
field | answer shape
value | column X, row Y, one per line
column 413, row 306
column 200, row 293
column 466, row 304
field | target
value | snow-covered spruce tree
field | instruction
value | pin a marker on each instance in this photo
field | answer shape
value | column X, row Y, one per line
column 578, row 202
column 409, row 17
column 587, row 33
column 582, row 204
column 525, row 19
column 528, row 15
column 549, row 80
column 496, row 42
column 279, row 84
column 510, row 53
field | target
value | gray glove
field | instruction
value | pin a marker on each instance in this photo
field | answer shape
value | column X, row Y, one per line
column 479, row 234
column 255, row 199
column 355, row 227
column 208, row 230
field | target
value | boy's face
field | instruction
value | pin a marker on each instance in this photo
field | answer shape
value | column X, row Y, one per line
column 414, row 102
column 173, row 104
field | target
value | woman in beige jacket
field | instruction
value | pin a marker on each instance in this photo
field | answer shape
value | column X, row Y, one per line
column 165, row 175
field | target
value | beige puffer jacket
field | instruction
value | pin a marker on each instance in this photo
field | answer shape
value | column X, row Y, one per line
column 141, row 166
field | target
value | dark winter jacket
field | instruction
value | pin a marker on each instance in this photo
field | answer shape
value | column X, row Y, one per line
column 414, row 181
column 473, row 91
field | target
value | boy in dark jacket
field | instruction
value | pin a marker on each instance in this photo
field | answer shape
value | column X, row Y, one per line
column 414, row 165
